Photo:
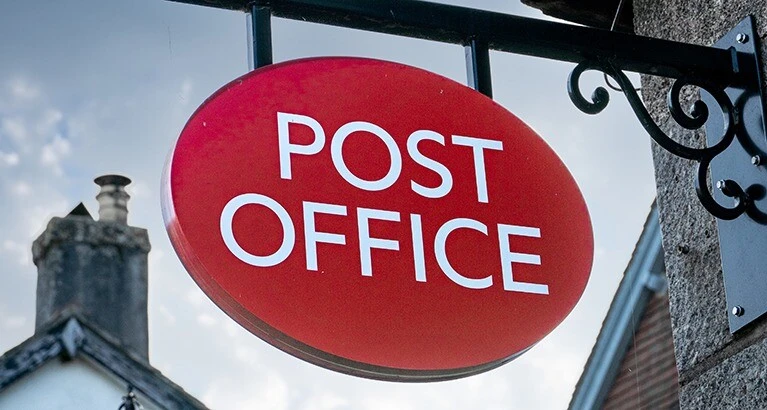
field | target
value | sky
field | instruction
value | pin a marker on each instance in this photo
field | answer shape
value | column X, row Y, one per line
column 91, row 87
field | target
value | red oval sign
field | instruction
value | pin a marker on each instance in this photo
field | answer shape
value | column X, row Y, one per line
column 377, row 219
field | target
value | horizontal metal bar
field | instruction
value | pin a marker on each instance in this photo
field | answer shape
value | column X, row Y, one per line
column 503, row 32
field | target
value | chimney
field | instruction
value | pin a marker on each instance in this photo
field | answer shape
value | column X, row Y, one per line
column 96, row 270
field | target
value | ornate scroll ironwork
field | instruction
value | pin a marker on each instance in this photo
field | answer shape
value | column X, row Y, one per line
column 695, row 119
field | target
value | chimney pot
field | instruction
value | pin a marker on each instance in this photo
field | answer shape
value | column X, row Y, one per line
column 113, row 200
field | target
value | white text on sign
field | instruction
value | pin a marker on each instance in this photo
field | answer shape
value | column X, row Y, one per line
column 364, row 215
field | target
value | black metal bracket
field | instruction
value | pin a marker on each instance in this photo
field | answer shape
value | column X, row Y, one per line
column 697, row 117
column 736, row 153
column 743, row 240
column 727, row 76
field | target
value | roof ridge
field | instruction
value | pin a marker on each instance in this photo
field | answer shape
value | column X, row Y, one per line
column 72, row 337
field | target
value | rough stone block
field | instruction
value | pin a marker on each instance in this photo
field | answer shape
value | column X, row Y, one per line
column 739, row 382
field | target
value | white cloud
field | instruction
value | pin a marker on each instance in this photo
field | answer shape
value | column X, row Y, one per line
column 22, row 89
column 195, row 297
column 139, row 189
column 206, row 320
column 21, row 188
column 22, row 252
column 50, row 119
column 9, row 159
column 169, row 317
column 556, row 368
column 271, row 393
column 14, row 128
column 387, row 403
column 232, row 329
column 155, row 257
column 247, row 354
column 36, row 216
column 26, row 128
column 53, row 153
column 327, row 401
column 14, row 322
column 185, row 92
column 324, row 401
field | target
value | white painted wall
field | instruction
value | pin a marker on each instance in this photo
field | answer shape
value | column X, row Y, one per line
column 76, row 384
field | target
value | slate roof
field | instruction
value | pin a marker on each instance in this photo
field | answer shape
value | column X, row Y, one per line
column 71, row 338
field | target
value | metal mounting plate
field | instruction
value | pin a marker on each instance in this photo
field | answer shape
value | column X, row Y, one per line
column 743, row 241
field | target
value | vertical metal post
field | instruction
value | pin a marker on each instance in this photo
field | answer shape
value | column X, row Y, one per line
column 259, row 36
column 478, row 66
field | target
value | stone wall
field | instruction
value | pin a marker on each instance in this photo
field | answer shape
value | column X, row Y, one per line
column 717, row 370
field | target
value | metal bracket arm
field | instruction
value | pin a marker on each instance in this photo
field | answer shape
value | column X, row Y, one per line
column 503, row 32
